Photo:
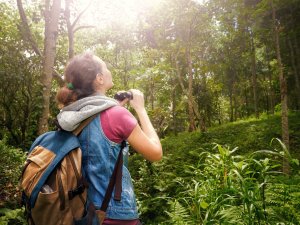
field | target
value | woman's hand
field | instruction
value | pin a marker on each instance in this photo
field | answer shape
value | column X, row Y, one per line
column 138, row 102
column 144, row 138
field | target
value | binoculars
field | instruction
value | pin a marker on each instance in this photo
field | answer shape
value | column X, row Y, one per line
column 120, row 96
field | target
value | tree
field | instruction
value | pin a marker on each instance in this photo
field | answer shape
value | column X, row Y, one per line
column 51, row 18
column 283, row 87
column 19, row 69
column 72, row 26
column 52, row 13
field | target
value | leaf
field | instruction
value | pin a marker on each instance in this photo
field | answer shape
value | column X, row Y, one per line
column 296, row 161
column 204, row 204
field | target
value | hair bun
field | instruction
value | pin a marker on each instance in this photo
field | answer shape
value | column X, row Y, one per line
column 65, row 96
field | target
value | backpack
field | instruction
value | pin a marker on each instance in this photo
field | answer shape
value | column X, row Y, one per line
column 54, row 190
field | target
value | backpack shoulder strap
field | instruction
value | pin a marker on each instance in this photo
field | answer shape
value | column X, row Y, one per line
column 83, row 124
column 115, row 181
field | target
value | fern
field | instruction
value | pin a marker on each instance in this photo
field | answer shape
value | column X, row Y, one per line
column 179, row 215
column 283, row 201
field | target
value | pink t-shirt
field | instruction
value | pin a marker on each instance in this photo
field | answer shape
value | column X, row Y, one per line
column 117, row 123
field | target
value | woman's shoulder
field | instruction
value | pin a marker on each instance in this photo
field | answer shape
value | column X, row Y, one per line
column 117, row 109
column 117, row 123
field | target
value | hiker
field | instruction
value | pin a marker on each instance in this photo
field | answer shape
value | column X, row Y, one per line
column 87, row 81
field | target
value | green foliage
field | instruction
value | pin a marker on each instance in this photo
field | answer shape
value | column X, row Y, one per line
column 11, row 162
column 19, row 70
column 249, row 135
column 179, row 214
column 12, row 217
column 199, row 182
column 217, row 186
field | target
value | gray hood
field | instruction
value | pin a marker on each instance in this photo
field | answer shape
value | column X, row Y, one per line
column 70, row 116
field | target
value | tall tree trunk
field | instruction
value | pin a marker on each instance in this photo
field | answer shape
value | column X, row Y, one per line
column 71, row 26
column 174, row 115
column 253, row 70
column 52, row 13
column 271, row 94
column 296, row 75
column 283, row 90
column 192, row 125
column 126, row 69
column 297, row 52
column 266, row 93
column 231, row 105
column 152, row 93
column 191, row 102
column 235, row 106
column 246, row 103
column 70, row 29
column 231, row 94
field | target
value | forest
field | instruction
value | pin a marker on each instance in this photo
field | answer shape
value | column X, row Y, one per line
column 221, row 82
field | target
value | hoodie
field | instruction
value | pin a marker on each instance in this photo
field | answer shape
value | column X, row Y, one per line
column 72, row 115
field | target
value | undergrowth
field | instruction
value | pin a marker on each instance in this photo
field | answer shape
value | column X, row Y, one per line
column 237, row 181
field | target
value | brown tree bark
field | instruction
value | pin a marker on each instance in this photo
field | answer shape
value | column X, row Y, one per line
column 69, row 29
column 25, row 29
column 192, row 125
column 27, row 35
column 283, row 90
column 296, row 74
column 297, row 52
column 174, row 114
column 191, row 102
column 52, row 13
column 231, row 81
column 271, row 94
column 254, row 76
column 71, row 26
column 48, row 56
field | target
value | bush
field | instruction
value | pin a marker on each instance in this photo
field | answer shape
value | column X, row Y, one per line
column 198, row 184
column 12, row 217
column 11, row 162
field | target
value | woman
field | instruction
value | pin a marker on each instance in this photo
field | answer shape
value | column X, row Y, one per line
column 88, row 80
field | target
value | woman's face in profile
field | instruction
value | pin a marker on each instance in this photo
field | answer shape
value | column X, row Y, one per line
column 107, row 77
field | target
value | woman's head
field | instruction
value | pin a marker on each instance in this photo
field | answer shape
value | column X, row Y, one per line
column 85, row 74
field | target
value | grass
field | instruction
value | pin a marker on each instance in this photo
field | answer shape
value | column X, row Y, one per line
column 209, row 185
column 248, row 135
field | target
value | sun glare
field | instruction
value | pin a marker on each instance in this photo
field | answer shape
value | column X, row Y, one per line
column 123, row 12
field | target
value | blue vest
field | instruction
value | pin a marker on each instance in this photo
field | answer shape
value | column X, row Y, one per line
column 99, row 156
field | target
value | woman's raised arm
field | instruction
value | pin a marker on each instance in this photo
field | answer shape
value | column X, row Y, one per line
column 144, row 138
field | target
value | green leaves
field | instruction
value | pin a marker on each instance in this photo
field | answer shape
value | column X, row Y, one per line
column 8, row 216
column 218, row 184
column 204, row 204
column 11, row 162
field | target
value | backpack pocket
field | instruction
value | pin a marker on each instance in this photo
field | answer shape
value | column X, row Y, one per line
column 47, row 209
column 35, row 165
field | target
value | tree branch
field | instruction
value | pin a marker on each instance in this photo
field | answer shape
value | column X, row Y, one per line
column 80, row 14
column 83, row 27
column 25, row 29
column 58, row 78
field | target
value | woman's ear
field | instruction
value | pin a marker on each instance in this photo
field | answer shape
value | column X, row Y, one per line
column 99, row 79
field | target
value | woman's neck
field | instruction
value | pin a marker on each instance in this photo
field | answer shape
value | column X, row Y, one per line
column 99, row 92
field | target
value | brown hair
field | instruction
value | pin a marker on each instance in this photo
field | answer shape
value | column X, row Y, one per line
column 80, row 74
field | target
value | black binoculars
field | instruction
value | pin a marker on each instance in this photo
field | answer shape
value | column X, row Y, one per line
column 120, row 96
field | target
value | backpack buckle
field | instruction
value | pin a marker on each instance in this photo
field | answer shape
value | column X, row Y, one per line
column 77, row 191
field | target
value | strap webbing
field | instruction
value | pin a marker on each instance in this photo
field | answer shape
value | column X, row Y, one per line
column 118, row 185
column 83, row 124
column 61, row 193
column 115, row 181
